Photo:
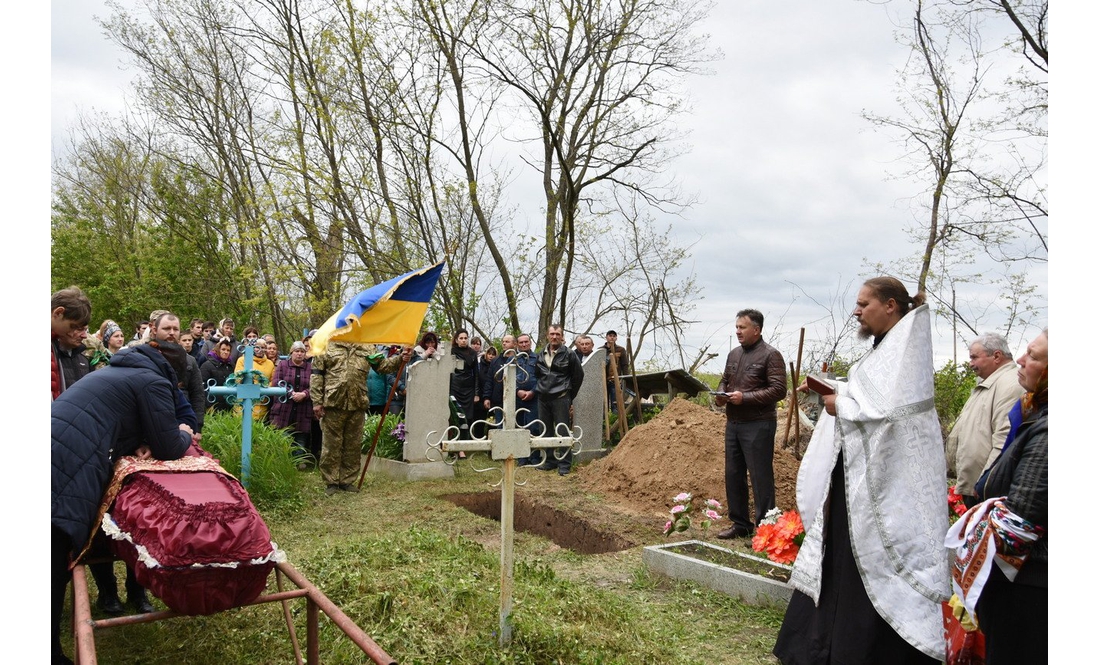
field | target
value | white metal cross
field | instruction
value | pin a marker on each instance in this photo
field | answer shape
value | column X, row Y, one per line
column 508, row 445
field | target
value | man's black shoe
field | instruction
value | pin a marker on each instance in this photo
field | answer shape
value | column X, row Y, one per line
column 110, row 605
column 331, row 489
column 733, row 532
column 354, row 489
column 141, row 604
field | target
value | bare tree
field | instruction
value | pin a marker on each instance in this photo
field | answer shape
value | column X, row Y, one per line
column 598, row 79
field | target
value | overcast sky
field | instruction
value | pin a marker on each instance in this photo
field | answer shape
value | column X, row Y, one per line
column 795, row 189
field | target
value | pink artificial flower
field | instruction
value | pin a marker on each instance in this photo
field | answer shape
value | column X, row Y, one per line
column 713, row 503
column 668, row 527
column 677, row 509
column 682, row 497
column 712, row 515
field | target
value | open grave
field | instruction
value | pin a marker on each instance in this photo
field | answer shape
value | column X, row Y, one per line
column 564, row 528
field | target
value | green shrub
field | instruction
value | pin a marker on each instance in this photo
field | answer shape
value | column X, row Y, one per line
column 389, row 446
column 953, row 384
column 274, row 482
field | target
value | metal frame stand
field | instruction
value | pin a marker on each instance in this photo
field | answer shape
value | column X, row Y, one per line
column 84, row 626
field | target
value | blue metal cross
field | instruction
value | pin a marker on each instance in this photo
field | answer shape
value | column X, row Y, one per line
column 244, row 392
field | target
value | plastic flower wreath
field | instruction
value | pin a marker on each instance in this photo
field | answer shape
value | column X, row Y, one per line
column 779, row 535
column 680, row 514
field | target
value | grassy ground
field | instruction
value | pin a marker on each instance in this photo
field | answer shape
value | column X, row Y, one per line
column 421, row 576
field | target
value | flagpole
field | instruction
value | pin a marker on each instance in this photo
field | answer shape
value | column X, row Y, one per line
column 381, row 421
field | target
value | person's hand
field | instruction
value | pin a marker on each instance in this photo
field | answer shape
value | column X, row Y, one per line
column 143, row 452
column 803, row 387
column 830, row 404
column 318, row 411
column 486, row 404
column 737, row 397
column 298, row 396
column 721, row 398
column 187, row 428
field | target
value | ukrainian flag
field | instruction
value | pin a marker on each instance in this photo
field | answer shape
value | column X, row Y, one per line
column 390, row 313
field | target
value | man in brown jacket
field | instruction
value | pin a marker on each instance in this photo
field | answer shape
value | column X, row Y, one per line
column 753, row 382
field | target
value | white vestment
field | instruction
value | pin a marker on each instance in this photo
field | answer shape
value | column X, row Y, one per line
column 895, row 476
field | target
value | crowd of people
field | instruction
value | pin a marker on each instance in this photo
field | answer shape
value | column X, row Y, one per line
column 872, row 572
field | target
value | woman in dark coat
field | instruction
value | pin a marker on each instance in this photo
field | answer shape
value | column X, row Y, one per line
column 218, row 366
column 464, row 380
column 128, row 405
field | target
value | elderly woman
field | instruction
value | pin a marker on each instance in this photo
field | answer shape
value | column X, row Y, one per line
column 296, row 413
column 1012, row 606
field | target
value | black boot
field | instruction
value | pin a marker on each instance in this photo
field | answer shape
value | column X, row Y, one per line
column 110, row 605
column 140, row 602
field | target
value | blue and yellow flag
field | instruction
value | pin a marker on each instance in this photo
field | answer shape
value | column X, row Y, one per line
column 390, row 313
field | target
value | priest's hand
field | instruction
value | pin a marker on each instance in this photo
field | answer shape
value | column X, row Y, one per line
column 830, row 404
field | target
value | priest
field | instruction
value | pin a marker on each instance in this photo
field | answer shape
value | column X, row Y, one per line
column 870, row 576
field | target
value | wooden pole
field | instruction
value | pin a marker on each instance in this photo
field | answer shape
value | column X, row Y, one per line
column 795, row 370
column 606, row 414
column 634, row 378
column 381, row 421
column 790, row 407
column 620, row 406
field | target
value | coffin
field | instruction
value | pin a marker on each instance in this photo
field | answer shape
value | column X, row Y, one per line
column 190, row 532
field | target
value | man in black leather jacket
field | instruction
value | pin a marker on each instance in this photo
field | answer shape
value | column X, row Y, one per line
column 559, row 374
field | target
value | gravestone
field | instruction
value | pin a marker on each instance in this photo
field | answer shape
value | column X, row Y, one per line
column 427, row 410
column 589, row 408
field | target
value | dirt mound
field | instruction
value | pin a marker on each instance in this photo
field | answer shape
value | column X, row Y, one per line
column 680, row 450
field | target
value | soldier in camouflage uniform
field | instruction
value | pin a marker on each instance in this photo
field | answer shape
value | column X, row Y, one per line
column 338, row 388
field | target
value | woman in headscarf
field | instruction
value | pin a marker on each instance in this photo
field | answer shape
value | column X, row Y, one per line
column 296, row 413
column 112, row 339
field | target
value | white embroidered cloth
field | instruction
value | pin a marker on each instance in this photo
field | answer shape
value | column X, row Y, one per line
column 896, row 488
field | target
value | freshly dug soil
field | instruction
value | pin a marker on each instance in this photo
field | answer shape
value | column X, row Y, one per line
column 680, row 450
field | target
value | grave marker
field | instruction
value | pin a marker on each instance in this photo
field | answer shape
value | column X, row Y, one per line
column 241, row 389
column 507, row 445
